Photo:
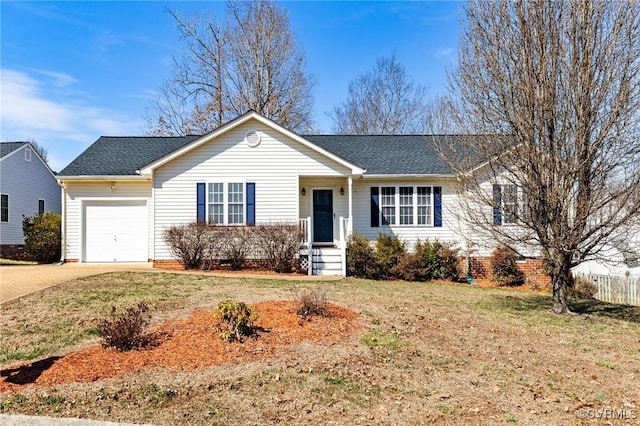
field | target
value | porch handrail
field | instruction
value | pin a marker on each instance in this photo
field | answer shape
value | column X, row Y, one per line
column 345, row 231
column 305, row 228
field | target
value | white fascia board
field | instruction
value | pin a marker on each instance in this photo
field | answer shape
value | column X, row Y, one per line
column 118, row 178
column 148, row 169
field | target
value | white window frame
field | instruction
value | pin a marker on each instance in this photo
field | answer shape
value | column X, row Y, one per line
column 3, row 208
column 509, row 210
column 226, row 202
column 27, row 154
column 429, row 219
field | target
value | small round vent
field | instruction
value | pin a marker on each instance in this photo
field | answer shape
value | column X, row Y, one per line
column 253, row 138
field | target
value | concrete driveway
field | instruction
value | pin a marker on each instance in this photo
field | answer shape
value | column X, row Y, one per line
column 19, row 280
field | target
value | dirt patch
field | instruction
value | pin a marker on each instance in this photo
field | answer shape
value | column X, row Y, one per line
column 188, row 345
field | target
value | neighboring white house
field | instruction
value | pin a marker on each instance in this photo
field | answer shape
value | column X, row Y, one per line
column 123, row 192
column 27, row 186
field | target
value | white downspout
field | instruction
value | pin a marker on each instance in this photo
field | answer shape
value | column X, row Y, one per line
column 63, row 224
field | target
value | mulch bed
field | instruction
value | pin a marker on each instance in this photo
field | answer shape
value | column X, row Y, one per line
column 188, row 345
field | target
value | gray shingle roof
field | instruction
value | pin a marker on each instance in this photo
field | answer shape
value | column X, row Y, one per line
column 7, row 148
column 122, row 156
column 395, row 155
column 386, row 155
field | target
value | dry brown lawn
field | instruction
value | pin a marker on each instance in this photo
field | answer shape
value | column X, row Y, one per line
column 416, row 353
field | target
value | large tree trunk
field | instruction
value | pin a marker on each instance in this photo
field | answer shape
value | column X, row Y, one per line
column 561, row 281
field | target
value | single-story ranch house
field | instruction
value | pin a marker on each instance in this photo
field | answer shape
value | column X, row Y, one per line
column 123, row 192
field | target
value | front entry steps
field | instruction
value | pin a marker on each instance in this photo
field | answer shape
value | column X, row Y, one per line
column 326, row 260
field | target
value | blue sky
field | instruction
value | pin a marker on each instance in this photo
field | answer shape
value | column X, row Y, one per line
column 73, row 71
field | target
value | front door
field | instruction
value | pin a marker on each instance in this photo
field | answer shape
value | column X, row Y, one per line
column 322, row 216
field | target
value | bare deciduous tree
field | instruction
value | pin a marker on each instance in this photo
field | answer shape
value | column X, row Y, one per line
column 250, row 62
column 555, row 86
column 384, row 101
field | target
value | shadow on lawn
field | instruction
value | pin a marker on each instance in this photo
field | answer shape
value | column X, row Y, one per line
column 28, row 373
column 534, row 303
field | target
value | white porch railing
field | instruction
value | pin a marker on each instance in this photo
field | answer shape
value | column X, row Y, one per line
column 305, row 228
column 344, row 226
column 345, row 231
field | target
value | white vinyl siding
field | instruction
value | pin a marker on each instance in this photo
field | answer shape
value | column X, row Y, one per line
column 25, row 183
column 276, row 166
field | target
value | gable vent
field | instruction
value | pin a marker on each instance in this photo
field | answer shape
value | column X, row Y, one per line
column 253, row 138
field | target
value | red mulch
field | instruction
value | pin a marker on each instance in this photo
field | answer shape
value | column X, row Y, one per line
column 188, row 345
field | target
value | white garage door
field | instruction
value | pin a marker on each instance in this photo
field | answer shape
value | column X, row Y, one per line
column 115, row 231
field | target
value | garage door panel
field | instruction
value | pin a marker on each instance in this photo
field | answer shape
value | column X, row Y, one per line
column 115, row 231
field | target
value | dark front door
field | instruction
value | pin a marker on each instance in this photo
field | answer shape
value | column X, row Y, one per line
column 322, row 216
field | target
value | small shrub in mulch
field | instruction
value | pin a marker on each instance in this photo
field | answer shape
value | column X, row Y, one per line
column 312, row 302
column 126, row 331
column 234, row 320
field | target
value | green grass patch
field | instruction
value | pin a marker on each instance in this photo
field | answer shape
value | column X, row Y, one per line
column 381, row 339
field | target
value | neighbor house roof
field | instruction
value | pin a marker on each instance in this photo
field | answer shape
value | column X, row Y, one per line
column 7, row 148
column 123, row 156
column 378, row 155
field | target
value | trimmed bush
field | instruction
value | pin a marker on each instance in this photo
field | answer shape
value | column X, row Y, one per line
column 127, row 331
column 389, row 249
column 449, row 263
column 234, row 245
column 430, row 252
column 278, row 245
column 504, row 267
column 312, row 302
column 42, row 236
column 411, row 267
column 582, row 288
column 191, row 244
column 361, row 258
column 234, row 320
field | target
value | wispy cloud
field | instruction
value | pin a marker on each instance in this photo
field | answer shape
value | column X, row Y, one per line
column 444, row 52
column 30, row 110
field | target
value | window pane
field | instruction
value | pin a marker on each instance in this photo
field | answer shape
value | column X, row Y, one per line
column 406, row 205
column 388, row 205
column 235, row 198
column 510, row 203
column 4, row 208
column 40, row 206
column 216, row 203
column 424, row 205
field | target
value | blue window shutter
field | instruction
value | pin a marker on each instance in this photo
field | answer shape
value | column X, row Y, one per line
column 251, row 203
column 437, row 206
column 497, row 202
column 375, row 207
column 201, row 204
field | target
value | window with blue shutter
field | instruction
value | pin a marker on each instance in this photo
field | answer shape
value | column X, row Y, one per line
column 375, row 207
column 201, row 210
column 251, row 203
column 437, row 206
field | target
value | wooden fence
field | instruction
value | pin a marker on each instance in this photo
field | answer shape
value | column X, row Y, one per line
column 615, row 289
